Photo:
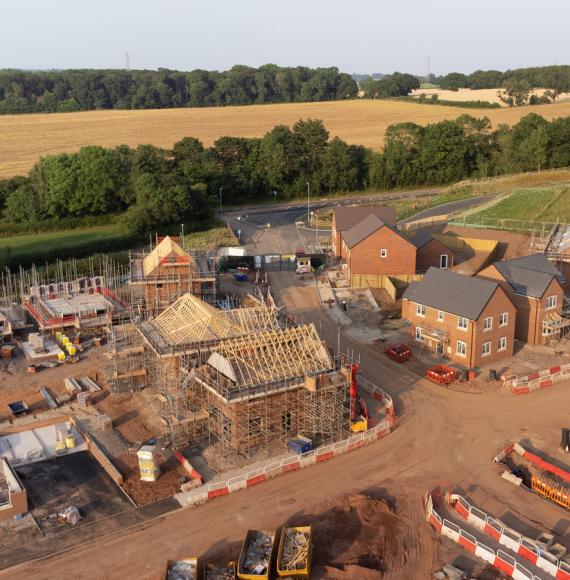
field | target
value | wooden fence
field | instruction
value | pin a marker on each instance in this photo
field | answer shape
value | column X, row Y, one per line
column 388, row 283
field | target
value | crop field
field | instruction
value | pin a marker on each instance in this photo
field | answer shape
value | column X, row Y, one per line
column 489, row 95
column 547, row 204
column 26, row 138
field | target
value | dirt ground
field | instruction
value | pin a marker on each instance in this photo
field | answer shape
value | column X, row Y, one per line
column 136, row 416
column 17, row 384
column 172, row 475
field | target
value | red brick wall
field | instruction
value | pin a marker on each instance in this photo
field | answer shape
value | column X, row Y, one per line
column 473, row 336
column 530, row 311
column 429, row 255
column 364, row 258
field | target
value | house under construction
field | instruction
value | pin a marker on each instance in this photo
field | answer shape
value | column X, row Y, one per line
column 265, row 388
column 240, row 376
column 83, row 303
column 167, row 272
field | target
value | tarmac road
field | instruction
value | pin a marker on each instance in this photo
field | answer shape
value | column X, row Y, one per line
column 442, row 436
column 283, row 237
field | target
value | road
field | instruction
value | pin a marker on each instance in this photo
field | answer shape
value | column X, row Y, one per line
column 442, row 436
column 283, row 237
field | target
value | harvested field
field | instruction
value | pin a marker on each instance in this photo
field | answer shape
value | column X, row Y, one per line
column 26, row 138
column 489, row 95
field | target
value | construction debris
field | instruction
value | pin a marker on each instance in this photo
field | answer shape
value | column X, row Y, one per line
column 256, row 553
column 221, row 572
column 294, row 550
column 69, row 515
column 182, row 569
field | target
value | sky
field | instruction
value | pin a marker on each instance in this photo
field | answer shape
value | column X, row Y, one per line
column 361, row 36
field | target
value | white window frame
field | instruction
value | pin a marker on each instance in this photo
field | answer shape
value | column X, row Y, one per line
column 551, row 302
column 440, row 315
column 459, row 349
column 419, row 334
column 420, row 310
column 485, row 327
column 502, row 345
column 503, row 319
column 459, row 320
column 486, row 348
column 441, row 266
column 383, row 253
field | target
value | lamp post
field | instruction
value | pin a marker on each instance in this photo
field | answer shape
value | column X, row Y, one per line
column 308, row 203
column 274, row 195
column 182, row 226
column 221, row 207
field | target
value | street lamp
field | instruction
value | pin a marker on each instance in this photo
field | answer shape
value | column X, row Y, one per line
column 308, row 203
column 182, row 226
column 221, row 208
column 274, row 195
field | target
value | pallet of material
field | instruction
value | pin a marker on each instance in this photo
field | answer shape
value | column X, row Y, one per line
column 89, row 384
column 48, row 398
column 72, row 385
column 213, row 572
column 294, row 555
column 186, row 569
column 256, row 555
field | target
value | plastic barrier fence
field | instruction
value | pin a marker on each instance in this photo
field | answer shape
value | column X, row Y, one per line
column 511, row 539
column 521, row 385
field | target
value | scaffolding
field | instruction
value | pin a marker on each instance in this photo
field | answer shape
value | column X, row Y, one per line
column 555, row 243
column 258, row 390
column 163, row 274
column 433, row 341
column 555, row 326
column 128, row 361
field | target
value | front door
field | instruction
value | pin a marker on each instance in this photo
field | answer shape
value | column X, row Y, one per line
column 443, row 261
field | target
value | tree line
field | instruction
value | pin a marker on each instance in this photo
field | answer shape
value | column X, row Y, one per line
column 89, row 89
column 150, row 188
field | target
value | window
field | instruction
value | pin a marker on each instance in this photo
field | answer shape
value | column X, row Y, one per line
column 503, row 319
column 440, row 315
column 383, row 253
column 420, row 310
column 502, row 343
column 462, row 323
column 488, row 323
column 443, row 259
column 461, row 348
column 551, row 302
column 486, row 350
column 419, row 334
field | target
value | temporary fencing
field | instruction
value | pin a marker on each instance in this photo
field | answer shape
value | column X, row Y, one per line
column 539, row 462
column 296, row 462
column 495, row 529
column 521, row 385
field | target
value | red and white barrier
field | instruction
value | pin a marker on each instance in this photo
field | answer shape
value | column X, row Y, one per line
column 296, row 462
column 508, row 564
column 511, row 539
column 521, row 385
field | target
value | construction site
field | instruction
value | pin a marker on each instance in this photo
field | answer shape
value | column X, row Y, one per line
column 163, row 384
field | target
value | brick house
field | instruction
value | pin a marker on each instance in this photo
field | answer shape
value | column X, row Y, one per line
column 346, row 217
column 432, row 253
column 536, row 288
column 372, row 247
column 469, row 320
